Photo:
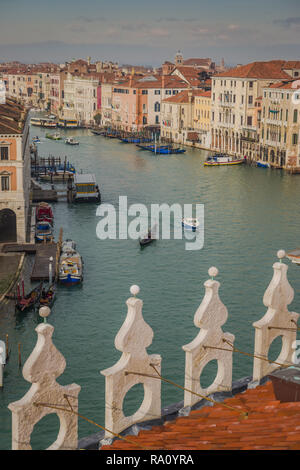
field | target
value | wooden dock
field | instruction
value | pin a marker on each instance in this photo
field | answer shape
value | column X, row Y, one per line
column 40, row 270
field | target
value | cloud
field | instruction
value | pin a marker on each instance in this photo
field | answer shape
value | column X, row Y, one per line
column 292, row 22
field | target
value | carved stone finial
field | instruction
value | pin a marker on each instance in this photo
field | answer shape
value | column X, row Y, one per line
column 134, row 290
column 209, row 317
column 277, row 321
column 41, row 369
column 132, row 339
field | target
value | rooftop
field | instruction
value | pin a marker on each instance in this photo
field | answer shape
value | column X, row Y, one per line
column 270, row 425
column 12, row 117
column 260, row 70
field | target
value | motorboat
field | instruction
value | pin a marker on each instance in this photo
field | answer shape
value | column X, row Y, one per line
column 71, row 141
column 70, row 265
column 222, row 159
column 43, row 231
column 294, row 256
column 55, row 136
column 190, row 223
column 36, row 140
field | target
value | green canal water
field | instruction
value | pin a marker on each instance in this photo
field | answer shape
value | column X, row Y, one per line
column 250, row 213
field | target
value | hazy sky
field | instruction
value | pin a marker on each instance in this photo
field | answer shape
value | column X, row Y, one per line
column 149, row 31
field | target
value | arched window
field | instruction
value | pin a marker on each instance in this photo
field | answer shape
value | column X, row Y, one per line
column 157, row 107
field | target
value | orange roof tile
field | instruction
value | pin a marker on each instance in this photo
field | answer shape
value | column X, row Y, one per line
column 261, row 70
column 269, row 425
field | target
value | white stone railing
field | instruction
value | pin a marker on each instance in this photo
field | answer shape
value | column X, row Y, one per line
column 135, row 366
column 277, row 322
column 210, row 344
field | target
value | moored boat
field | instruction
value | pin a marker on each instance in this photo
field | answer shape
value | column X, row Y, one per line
column 222, row 159
column 26, row 302
column 36, row 140
column 43, row 231
column 47, row 296
column 86, row 189
column 70, row 265
column 44, row 213
column 190, row 223
column 262, row 164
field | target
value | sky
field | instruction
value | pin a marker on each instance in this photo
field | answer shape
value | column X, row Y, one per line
column 148, row 32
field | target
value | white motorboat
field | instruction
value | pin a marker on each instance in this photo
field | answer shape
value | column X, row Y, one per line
column 190, row 224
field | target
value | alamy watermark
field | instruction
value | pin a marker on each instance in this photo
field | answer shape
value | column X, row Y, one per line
column 162, row 222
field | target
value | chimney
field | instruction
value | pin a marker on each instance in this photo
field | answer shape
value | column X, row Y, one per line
column 163, row 81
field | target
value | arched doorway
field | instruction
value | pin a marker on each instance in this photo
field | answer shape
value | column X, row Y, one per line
column 8, row 226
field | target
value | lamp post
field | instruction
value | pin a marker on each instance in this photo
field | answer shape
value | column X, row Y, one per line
column 50, row 270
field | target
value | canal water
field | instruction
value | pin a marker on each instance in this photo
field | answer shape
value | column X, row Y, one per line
column 250, row 213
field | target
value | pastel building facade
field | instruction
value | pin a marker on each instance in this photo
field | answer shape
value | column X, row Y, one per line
column 280, row 133
column 235, row 99
column 80, row 99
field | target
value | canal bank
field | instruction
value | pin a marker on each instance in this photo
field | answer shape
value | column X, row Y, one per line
column 249, row 214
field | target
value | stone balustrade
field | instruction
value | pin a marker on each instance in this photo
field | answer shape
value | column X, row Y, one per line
column 135, row 366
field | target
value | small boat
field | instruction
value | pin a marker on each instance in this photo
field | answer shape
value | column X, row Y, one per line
column 43, row 231
column 26, row 302
column 262, row 164
column 71, row 141
column 222, row 159
column 47, row 296
column 70, row 265
column 44, row 213
column 36, row 140
column 190, row 224
column 149, row 238
column 55, row 136
column 294, row 256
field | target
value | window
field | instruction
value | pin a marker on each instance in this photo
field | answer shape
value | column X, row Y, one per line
column 157, row 107
column 294, row 139
column 295, row 116
column 156, row 119
column 144, row 120
column 157, row 92
column 250, row 99
column 144, row 92
column 4, row 183
column 250, row 84
column 3, row 153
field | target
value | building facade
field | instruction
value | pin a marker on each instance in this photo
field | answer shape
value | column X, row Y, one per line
column 14, row 172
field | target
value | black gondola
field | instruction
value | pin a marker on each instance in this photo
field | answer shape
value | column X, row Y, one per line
column 47, row 296
column 29, row 301
column 148, row 239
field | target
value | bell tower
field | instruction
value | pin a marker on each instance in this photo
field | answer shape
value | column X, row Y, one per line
column 179, row 59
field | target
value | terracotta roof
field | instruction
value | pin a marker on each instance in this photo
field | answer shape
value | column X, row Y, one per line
column 292, row 64
column 160, row 82
column 12, row 117
column 263, row 70
column 283, row 85
column 196, row 61
column 270, row 425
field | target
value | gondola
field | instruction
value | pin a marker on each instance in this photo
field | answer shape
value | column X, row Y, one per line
column 30, row 300
column 149, row 238
column 47, row 296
